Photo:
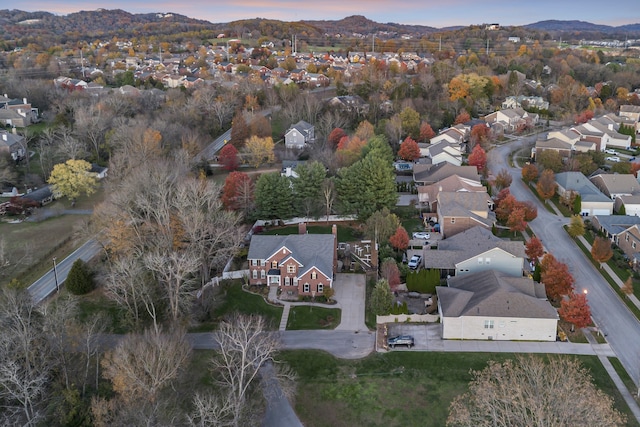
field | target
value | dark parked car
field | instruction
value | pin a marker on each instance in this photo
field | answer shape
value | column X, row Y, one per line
column 400, row 340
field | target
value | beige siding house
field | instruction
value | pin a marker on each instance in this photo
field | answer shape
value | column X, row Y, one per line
column 493, row 306
column 458, row 212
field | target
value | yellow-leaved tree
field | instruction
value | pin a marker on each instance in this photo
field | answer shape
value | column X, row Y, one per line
column 72, row 179
column 259, row 151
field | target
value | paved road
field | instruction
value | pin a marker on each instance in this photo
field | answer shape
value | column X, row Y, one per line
column 608, row 310
column 46, row 285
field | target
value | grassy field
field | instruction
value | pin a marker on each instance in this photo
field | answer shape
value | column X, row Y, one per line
column 34, row 244
column 308, row 317
column 396, row 388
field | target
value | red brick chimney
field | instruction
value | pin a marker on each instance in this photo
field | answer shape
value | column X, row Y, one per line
column 302, row 228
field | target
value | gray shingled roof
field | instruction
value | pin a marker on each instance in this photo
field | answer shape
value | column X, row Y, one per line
column 309, row 249
column 494, row 294
column 616, row 224
column 576, row 181
column 444, row 170
column 465, row 245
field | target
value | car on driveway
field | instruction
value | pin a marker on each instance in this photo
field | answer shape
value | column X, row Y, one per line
column 614, row 159
column 400, row 340
column 423, row 235
column 414, row 262
column 610, row 151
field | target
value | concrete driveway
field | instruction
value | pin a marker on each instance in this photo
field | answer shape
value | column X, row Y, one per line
column 350, row 292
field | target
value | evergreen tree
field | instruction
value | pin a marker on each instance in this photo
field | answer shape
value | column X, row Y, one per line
column 273, row 197
column 80, row 279
column 381, row 300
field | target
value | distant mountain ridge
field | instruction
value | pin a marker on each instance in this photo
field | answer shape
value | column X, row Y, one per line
column 102, row 23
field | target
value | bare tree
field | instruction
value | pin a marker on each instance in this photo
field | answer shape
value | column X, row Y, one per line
column 245, row 346
column 25, row 368
column 68, row 145
column 90, row 126
column 142, row 365
column 531, row 392
column 328, row 196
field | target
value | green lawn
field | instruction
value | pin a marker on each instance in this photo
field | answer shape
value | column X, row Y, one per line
column 309, row 317
column 234, row 299
column 396, row 388
column 345, row 234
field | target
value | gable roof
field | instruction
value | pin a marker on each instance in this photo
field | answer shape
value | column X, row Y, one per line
column 308, row 249
column 452, row 203
column 494, row 294
column 616, row 183
column 553, row 143
column 453, row 183
column 616, row 224
column 443, row 170
column 468, row 244
column 576, row 181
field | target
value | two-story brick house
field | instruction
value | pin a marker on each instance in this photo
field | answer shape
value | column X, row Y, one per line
column 299, row 264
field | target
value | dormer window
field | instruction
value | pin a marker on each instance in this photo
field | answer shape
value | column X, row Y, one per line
column 314, row 275
column 274, row 264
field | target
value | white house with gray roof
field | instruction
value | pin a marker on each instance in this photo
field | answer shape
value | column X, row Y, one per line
column 593, row 201
column 475, row 250
column 491, row 305
column 298, row 264
column 299, row 135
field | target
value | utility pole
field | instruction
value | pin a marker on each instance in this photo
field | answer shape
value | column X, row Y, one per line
column 55, row 274
column 487, row 46
column 373, row 43
column 82, row 62
column 440, row 45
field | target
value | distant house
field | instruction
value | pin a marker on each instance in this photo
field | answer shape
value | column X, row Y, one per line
column 444, row 151
column 299, row 135
column 631, row 112
column 298, row 264
column 614, row 226
column 593, row 201
column 616, row 185
column 561, row 147
column 428, row 194
column 41, row 196
column 475, row 250
column 13, row 144
column 430, row 174
column 461, row 211
column 490, row 305
column 510, row 119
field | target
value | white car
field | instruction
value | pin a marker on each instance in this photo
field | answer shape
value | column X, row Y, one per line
column 610, row 151
column 414, row 262
column 423, row 235
column 613, row 159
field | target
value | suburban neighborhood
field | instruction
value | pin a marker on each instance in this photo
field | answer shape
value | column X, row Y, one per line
column 255, row 224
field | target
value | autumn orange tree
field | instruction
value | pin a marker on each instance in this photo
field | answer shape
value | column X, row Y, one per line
column 426, row 132
column 349, row 150
column 239, row 130
column 575, row 310
column 409, row 150
column 479, row 135
column 601, row 250
column 627, row 288
column 516, row 222
column 463, row 117
column 533, row 249
column 400, row 239
column 547, row 184
column 529, row 173
column 233, row 190
column 228, row 158
column 335, row 136
column 502, row 180
column 389, row 271
column 556, row 277
column 478, row 158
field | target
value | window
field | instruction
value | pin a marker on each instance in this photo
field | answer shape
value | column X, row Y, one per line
column 480, row 260
column 291, row 268
column 263, row 262
column 274, row 264
column 453, row 220
column 287, row 281
column 320, row 288
column 488, row 324
column 314, row 275
column 254, row 274
column 263, row 274
column 633, row 245
column 487, row 260
column 626, row 237
column 254, row 262
column 306, row 287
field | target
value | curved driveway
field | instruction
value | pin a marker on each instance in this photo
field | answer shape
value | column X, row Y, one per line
column 607, row 309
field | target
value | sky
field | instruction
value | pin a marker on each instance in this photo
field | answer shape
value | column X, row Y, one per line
column 433, row 13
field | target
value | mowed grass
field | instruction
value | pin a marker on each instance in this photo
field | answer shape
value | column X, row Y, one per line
column 345, row 234
column 309, row 317
column 234, row 299
column 396, row 388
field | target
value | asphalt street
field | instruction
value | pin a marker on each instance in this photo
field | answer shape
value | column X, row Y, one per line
column 608, row 311
column 46, row 285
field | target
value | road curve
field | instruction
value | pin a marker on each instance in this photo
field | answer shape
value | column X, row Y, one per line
column 608, row 311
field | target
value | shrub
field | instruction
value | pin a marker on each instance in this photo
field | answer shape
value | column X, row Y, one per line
column 423, row 281
column 80, row 279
